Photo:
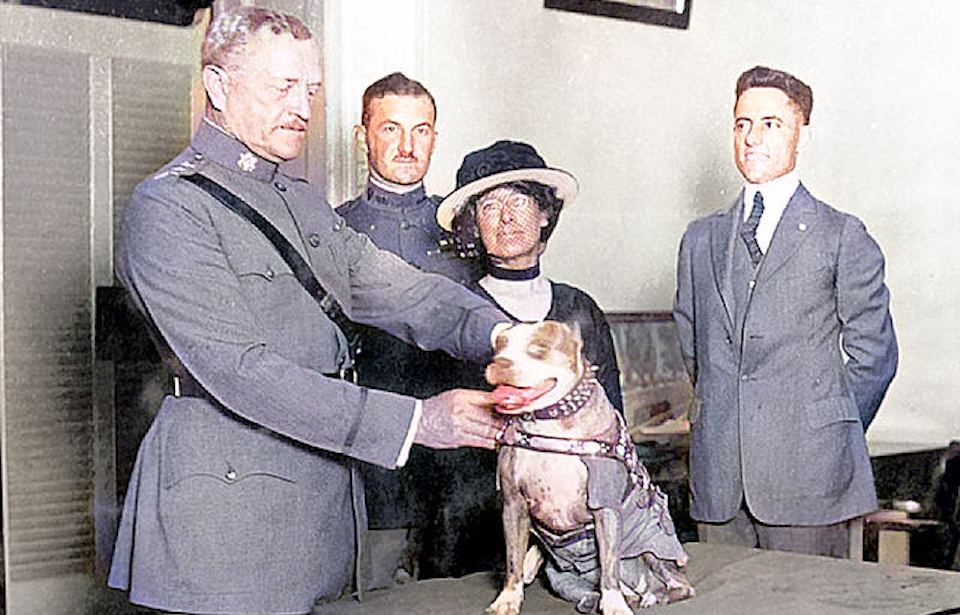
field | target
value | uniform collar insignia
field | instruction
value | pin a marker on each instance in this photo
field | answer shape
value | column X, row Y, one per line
column 247, row 162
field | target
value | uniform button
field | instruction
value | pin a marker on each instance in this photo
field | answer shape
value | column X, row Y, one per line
column 753, row 283
column 338, row 226
column 198, row 156
column 314, row 240
column 280, row 187
column 744, row 377
column 231, row 475
column 404, row 225
column 269, row 273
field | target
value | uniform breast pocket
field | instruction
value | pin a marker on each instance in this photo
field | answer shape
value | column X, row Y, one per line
column 268, row 284
column 257, row 265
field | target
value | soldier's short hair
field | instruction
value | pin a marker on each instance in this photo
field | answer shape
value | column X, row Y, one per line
column 396, row 84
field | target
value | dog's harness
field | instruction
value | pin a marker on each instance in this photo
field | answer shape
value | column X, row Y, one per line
column 614, row 444
column 619, row 446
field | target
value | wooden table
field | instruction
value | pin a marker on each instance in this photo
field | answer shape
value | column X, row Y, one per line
column 729, row 581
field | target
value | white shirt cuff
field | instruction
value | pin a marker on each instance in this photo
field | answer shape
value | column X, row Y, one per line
column 411, row 434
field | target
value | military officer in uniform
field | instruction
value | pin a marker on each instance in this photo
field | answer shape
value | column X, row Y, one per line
column 242, row 500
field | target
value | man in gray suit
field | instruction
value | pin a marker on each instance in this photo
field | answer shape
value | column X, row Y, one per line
column 243, row 498
column 785, row 329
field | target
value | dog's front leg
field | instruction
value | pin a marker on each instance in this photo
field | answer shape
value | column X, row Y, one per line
column 607, row 522
column 516, row 531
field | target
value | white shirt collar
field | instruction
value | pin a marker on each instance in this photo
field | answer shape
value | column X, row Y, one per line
column 525, row 300
column 390, row 186
column 776, row 195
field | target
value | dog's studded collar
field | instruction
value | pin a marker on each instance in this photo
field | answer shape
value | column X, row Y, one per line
column 570, row 403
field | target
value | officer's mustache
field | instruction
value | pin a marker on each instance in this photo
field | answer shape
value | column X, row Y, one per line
column 295, row 124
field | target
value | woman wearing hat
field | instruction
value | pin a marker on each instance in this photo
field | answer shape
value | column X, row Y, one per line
column 504, row 209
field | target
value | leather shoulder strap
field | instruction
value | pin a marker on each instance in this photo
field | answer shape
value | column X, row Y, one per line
column 289, row 254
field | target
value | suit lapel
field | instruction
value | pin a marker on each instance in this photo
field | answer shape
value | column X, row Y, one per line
column 795, row 224
column 722, row 236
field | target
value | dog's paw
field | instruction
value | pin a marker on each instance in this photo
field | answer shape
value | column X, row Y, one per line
column 507, row 603
column 612, row 602
column 677, row 586
column 588, row 603
column 678, row 593
column 649, row 599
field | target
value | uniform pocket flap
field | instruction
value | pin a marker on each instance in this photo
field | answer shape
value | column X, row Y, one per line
column 832, row 410
column 220, row 449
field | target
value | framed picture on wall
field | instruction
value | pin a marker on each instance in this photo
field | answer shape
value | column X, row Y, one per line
column 670, row 13
column 658, row 397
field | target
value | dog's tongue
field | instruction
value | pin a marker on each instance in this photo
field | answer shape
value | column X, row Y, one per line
column 512, row 400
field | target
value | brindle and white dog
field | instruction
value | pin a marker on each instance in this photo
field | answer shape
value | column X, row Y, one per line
column 569, row 473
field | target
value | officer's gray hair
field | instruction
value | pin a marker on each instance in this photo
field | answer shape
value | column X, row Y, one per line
column 228, row 34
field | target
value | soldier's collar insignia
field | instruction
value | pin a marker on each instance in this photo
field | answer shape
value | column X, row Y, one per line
column 247, row 162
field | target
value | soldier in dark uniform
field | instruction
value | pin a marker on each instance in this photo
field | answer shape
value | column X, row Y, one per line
column 243, row 499
column 398, row 126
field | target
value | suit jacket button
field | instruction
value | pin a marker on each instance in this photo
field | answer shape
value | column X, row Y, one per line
column 314, row 240
column 231, row 475
column 280, row 187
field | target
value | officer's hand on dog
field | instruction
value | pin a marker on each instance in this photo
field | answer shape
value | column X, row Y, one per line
column 459, row 417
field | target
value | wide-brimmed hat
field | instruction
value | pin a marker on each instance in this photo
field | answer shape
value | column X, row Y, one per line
column 501, row 163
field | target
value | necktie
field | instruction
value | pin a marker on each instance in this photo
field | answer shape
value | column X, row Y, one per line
column 749, row 229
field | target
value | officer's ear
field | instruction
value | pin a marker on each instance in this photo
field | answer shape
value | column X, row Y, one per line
column 360, row 136
column 216, row 83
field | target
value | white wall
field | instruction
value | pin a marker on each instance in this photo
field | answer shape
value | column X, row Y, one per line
column 642, row 115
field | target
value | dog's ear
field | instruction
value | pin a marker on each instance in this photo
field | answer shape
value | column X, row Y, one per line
column 573, row 344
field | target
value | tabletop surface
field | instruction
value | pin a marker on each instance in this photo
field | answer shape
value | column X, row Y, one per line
column 728, row 580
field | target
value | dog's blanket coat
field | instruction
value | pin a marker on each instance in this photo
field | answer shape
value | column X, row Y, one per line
column 570, row 474
column 616, row 480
